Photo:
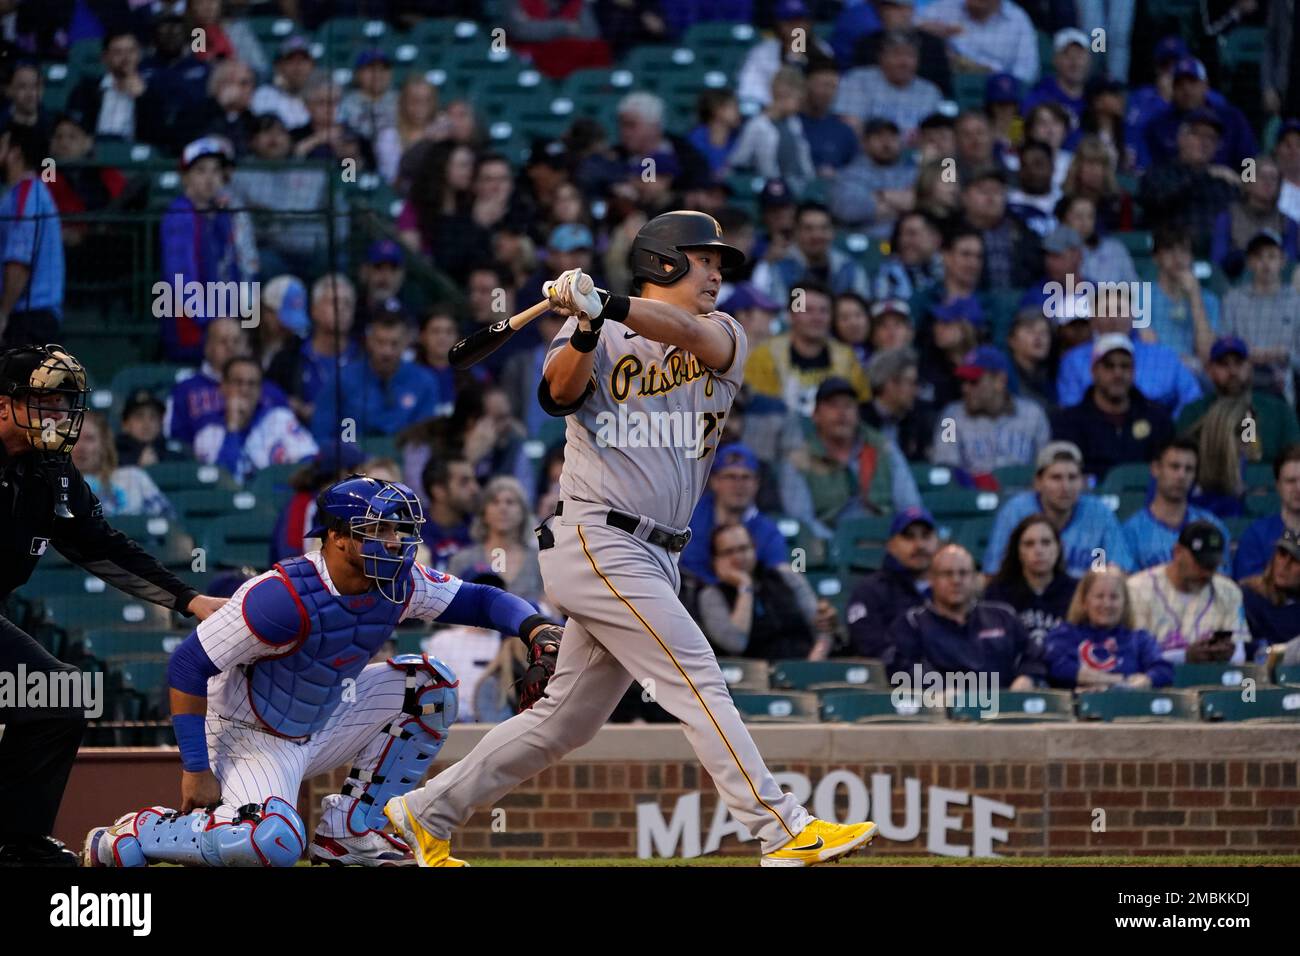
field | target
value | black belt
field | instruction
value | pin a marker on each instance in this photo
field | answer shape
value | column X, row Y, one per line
column 629, row 523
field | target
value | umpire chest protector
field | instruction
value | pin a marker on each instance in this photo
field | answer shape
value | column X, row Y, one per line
column 323, row 638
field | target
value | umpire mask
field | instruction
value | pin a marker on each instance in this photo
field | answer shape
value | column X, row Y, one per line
column 47, row 390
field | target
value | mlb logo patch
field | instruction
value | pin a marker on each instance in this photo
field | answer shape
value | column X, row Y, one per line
column 39, row 545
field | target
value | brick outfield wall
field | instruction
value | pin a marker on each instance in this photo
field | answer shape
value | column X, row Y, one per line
column 1165, row 790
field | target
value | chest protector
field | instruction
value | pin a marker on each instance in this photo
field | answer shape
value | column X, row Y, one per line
column 294, row 693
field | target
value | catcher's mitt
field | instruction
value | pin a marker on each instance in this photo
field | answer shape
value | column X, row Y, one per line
column 543, row 649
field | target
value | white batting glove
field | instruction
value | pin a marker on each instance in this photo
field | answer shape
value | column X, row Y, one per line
column 564, row 293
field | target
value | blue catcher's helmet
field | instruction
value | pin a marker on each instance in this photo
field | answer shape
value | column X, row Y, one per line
column 386, row 517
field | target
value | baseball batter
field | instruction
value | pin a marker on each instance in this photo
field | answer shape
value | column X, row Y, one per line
column 277, row 686
column 646, row 383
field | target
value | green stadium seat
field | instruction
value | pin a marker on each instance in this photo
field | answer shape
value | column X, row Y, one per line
column 177, row 476
column 271, row 484
column 930, row 477
column 876, row 707
column 1137, row 706
column 792, row 707
column 144, row 528
column 1287, row 675
column 205, row 504
column 840, row 672
column 239, row 539
column 1138, row 242
column 147, row 674
column 959, row 503
column 1130, row 476
column 1259, row 474
column 831, row 586
column 803, row 545
column 1013, row 478
column 860, row 542
column 744, row 673
column 1019, row 707
column 271, row 32
column 1242, row 46
column 1261, row 506
column 969, row 89
column 123, row 154
column 715, row 36
column 116, row 642
column 973, row 534
column 1269, row 704
column 109, row 607
column 1218, row 675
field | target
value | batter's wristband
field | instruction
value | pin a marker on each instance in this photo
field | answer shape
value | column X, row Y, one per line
column 192, row 740
column 530, row 623
column 616, row 308
column 585, row 341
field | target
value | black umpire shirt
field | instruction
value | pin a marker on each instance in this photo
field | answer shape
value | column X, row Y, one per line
column 29, row 527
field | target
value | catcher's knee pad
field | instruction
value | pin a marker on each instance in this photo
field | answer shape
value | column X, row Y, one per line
column 271, row 834
column 417, row 734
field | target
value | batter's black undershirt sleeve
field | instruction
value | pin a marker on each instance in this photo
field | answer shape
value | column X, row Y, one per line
column 552, row 408
column 91, row 542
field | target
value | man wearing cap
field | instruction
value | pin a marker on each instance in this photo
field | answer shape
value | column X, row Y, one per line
column 953, row 331
column 1088, row 528
column 140, row 440
column 329, row 345
column 108, row 101
column 894, row 15
column 31, row 245
column 1232, row 375
column 1190, row 190
column 791, row 366
column 733, row 490
column 989, row 428
column 372, row 105
column 955, row 632
column 283, row 320
column 891, row 90
column 1158, row 371
column 1258, row 539
column 1255, row 212
column 845, row 468
column 754, row 82
column 283, row 96
column 1114, row 423
column 569, row 246
column 1266, row 314
column 1152, row 531
column 883, row 596
column 1012, row 251
column 1272, row 598
column 230, row 97
column 985, row 36
column 753, row 310
column 1194, row 613
column 833, row 142
column 1149, row 101
column 873, row 190
column 1029, row 346
column 172, row 107
column 198, row 245
column 383, row 282
column 1191, row 88
column 892, row 411
column 1071, row 63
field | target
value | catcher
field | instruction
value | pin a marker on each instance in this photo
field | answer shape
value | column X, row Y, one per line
column 278, row 686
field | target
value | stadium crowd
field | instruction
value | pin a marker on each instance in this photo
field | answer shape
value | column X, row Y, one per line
column 1010, row 330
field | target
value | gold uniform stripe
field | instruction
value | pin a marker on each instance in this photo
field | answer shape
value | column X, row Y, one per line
column 689, row 683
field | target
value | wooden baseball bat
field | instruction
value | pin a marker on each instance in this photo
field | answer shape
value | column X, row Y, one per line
column 478, row 345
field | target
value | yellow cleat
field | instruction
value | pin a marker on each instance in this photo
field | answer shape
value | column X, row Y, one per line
column 428, row 849
column 821, row 842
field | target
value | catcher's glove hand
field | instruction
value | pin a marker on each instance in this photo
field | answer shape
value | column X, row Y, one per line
column 543, row 649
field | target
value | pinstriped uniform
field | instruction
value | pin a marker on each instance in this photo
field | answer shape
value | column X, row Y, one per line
column 620, row 592
column 252, row 763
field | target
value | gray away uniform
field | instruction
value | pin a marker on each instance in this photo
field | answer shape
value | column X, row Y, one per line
column 641, row 442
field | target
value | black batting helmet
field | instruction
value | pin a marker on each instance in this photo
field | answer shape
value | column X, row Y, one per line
column 658, row 252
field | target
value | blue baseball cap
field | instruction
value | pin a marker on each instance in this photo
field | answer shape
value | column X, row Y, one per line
column 834, row 386
column 1002, row 88
column 745, row 296
column 791, row 10
column 385, row 250
column 1290, row 126
column 735, row 455
column 966, row 308
column 976, row 362
column 775, row 194
column 1190, row 66
column 569, row 237
column 908, row 517
column 1228, row 345
column 1207, row 117
column 297, row 43
column 1170, row 48
column 288, row 296
column 367, row 57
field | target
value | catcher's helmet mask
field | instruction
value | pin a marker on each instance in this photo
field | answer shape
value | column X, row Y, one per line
column 659, row 250
column 50, row 384
column 370, row 511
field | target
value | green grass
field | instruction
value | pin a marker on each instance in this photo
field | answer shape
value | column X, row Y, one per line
column 868, row 860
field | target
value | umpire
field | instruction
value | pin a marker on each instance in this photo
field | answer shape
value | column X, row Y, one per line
column 45, row 502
